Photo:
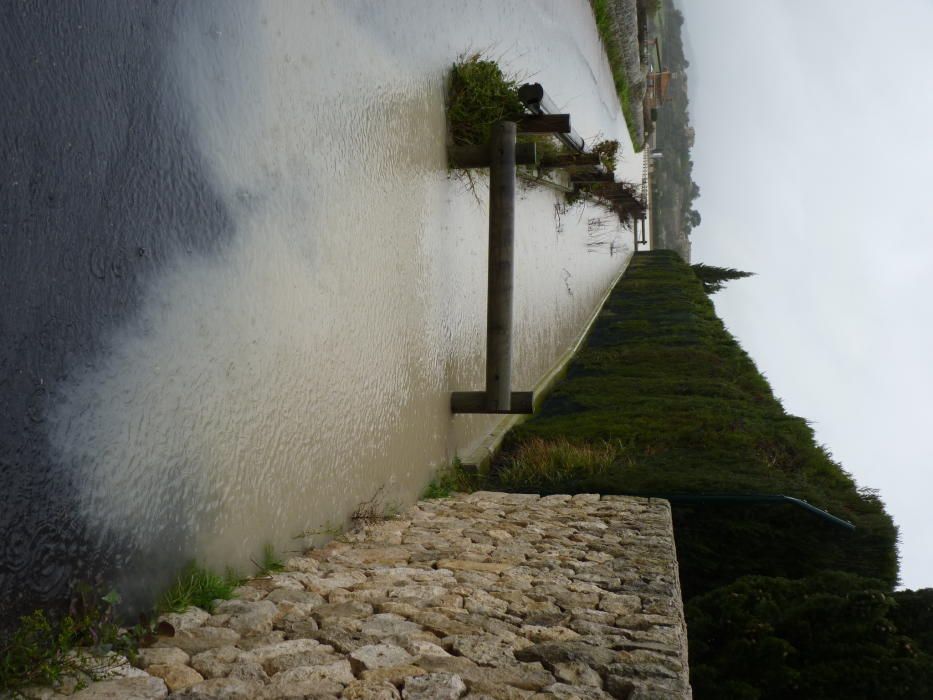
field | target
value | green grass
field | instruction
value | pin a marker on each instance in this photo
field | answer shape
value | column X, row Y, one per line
column 614, row 54
column 47, row 646
column 449, row 480
column 478, row 95
column 271, row 561
column 199, row 587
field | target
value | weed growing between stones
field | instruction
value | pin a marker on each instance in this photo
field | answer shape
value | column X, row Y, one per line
column 199, row 587
column 271, row 562
column 479, row 94
column 81, row 645
column 375, row 510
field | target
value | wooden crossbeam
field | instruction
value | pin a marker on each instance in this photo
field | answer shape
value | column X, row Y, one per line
column 522, row 402
column 545, row 124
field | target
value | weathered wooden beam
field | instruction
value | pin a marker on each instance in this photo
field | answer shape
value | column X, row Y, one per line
column 617, row 187
column 478, row 156
column 501, row 244
column 520, row 402
column 569, row 160
column 592, row 177
column 545, row 124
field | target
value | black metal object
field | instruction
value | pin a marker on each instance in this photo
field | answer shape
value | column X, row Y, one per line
column 537, row 101
column 748, row 498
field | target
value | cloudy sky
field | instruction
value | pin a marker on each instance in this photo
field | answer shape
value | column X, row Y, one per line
column 814, row 155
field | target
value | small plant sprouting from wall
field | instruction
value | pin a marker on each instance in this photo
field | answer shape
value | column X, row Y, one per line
column 608, row 151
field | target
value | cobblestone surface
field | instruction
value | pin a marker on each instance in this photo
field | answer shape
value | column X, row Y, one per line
column 486, row 595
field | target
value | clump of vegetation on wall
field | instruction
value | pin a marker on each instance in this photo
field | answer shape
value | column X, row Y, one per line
column 608, row 151
column 479, row 94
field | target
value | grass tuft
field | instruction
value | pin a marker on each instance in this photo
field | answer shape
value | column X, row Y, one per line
column 199, row 587
column 271, row 561
column 449, row 480
column 47, row 647
column 478, row 95
column 549, row 465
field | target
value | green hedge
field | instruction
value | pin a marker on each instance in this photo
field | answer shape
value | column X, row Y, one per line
column 661, row 378
column 662, row 399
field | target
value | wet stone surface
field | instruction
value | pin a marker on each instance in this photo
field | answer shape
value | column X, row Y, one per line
column 486, row 595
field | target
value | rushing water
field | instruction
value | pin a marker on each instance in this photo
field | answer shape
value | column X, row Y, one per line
column 240, row 283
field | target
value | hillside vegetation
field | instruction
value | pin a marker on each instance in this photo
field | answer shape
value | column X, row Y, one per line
column 663, row 400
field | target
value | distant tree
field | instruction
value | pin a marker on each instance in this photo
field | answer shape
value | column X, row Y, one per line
column 715, row 278
column 693, row 218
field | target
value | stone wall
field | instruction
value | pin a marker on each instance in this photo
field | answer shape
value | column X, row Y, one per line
column 624, row 14
column 487, row 595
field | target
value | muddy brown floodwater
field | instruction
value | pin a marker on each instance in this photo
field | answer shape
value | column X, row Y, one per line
column 261, row 384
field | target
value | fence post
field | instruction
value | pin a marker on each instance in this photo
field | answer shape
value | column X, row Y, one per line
column 501, row 243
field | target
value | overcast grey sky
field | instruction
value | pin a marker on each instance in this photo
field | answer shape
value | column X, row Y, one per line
column 814, row 154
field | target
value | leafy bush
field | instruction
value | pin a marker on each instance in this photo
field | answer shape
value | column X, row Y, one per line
column 829, row 636
column 46, row 646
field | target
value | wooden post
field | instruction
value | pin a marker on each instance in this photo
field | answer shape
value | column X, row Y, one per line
column 500, row 156
column 635, row 233
column 475, row 402
column 501, row 240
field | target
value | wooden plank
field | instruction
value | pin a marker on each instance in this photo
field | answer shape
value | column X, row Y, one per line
column 570, row 160
column 478, row 156
column 592, row 177
column 545, row 124
column 520, row 402
column 501, row 248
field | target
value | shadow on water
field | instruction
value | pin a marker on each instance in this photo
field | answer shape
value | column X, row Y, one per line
column 101, row 189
